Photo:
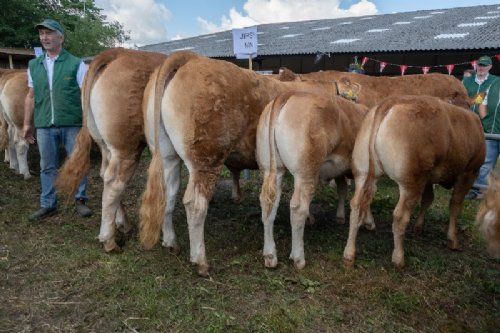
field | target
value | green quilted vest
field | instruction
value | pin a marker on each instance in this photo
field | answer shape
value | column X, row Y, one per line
column 491, row 123
column 62, row 106
column 473, row 88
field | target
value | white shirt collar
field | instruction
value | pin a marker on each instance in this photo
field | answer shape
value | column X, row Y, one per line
column 49, row 58
column 478, row 81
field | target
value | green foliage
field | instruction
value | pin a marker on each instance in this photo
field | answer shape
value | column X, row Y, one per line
column 85, row 34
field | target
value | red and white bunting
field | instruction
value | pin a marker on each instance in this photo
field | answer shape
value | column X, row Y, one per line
column 450, row 68
column 425, row 69
column 403, row 69
column 382, row 66
column 364, row 61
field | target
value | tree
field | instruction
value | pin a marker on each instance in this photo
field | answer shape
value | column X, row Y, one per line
column 86, row 33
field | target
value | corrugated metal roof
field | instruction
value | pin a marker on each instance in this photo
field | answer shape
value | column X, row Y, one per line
column 476, row 27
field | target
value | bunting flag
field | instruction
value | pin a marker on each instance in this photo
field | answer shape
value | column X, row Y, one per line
column 382, row 66
column 450, row 68
column 403, row 69
column 425, row 69
column 364, row 61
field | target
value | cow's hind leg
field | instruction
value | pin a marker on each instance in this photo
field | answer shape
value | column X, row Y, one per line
column 172, row 176
column 235, row 189
column 13, row 162
column 198, row 193
column 22, row 147
column 460, row 189
column 116, row 177
column 299, row 211
column 408, row 198
column 427, row 198
column 360, row 212
column 269, row 201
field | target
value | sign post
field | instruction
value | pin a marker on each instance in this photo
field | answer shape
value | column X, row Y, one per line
column 245, row 47
column 245, row 44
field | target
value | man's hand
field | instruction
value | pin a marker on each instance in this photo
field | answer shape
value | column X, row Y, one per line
column 28, row 134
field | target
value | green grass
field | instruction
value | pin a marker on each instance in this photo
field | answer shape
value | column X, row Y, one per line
column 54, row 276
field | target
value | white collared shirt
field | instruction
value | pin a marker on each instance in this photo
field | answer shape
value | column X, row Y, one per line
column 479, row 81
column 49, row 66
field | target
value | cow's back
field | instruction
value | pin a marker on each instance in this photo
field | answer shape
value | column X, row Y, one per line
column 116, row 98
column 435, row 139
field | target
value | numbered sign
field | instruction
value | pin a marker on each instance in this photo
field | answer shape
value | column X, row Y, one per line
column 245, row 42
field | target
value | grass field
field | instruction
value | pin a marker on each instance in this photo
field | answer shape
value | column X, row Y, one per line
column 54, row 276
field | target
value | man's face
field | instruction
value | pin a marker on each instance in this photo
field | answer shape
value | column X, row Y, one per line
column 51, row 40
column 483, row 70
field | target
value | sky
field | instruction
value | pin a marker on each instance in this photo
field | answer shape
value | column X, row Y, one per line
column 157, row 21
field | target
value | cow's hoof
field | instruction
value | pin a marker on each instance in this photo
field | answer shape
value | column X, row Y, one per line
column 28, row 176
column 454, row 245
column 237, row 200
column 203, row 270
column 270, row 261
column 172, row 249
column 370, row 226
column 340, row 220
column 399, row 265
column 310, row 220
column 348, row 262
column 111, row 247
column 299, row 264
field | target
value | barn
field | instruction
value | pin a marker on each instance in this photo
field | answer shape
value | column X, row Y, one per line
column 11, row 57
column 447, row 40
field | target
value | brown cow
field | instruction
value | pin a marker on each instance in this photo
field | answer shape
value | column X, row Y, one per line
column 417, row 141
column 312, row 137
column 13, row 90
column 205, row 113
column 371, row 90
column 488, row 216
column 112, row 96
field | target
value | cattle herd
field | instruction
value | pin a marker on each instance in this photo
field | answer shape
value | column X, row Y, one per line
column 205, row 113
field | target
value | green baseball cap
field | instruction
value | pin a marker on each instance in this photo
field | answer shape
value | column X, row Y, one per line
column 484, row 60
column 51, row 25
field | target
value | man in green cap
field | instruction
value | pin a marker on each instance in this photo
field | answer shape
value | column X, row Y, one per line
column 53, row 102
column 478, row 83
column 485, row 89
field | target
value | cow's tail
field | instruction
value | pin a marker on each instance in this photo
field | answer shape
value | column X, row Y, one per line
column 4, row 131
column 154, row 198
column 368, row 188
column 268, row 191
column 78, row 163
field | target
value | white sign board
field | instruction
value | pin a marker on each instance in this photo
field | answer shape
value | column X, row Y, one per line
column 245, row 42
column 38, row 51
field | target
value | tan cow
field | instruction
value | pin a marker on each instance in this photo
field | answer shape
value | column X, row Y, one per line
column 13, row 90
column 488, row 216
column 417, row 141
column 312, row 137
column 206, row 114
column 112, row 96
column 371, row 90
